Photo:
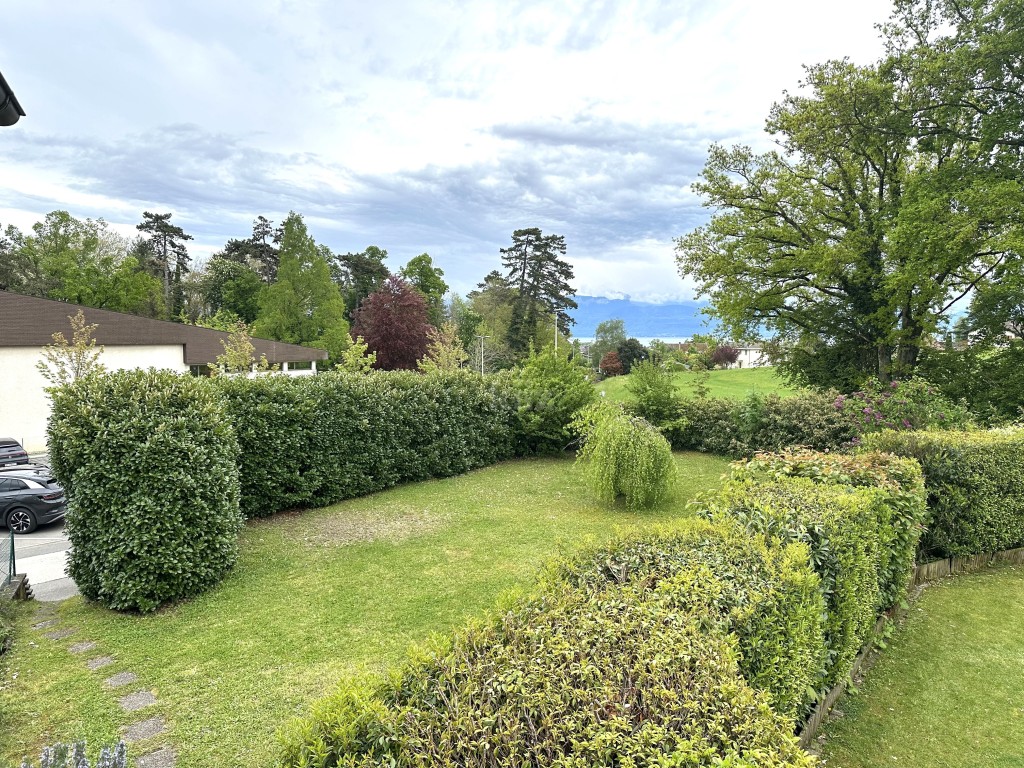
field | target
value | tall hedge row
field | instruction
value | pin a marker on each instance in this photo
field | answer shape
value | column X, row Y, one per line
column 148, row 459
column 316, row 440
column 902, row 515
column 840, row 525
column 975, row 483
column 756, row 423
column 768, row 597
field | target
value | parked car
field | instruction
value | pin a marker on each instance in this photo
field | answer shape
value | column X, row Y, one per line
column 11, row 452
column 29, row 497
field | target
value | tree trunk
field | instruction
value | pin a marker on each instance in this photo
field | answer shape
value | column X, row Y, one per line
column 884, row 363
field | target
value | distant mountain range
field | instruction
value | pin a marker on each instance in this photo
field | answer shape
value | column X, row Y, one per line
column 669, row 321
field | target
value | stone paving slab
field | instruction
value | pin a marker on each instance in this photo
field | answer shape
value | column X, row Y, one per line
column 99, row 662
column 46, row 623
column 82, row 647
column 121, row 678
column 163, row 758
column 60, row 634
column 137, row 700
column 147, row 729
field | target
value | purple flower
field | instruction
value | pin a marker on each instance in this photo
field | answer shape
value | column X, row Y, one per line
column 894, row 384
column 867, row 410
column 906, row 424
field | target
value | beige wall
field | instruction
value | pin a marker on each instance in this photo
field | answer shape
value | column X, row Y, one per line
column 24, row 405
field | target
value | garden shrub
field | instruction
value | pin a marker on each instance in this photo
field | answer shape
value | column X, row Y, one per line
column 317, row 440
column 148, row 460
column 760, row 423
column 975, row 483
column 902, row 404
column 840, row 524
column 570, row 679
column 768, row 597
column 902, row 515
column 623, row 455
column 654, row 389
column 551, row 390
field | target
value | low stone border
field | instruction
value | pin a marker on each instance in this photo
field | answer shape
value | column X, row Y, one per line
column 922, row 575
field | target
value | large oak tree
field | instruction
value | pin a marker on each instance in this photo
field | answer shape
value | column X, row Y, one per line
column 892, row 197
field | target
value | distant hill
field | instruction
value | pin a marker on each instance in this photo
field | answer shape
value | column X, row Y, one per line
column 677, row 320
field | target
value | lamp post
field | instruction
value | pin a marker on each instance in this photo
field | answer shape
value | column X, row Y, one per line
column 556, row 330
column 482, row 352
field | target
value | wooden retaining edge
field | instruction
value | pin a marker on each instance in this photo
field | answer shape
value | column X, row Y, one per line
column 922, row 574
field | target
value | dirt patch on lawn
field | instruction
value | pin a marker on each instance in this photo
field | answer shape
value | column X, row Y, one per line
column 369, row 525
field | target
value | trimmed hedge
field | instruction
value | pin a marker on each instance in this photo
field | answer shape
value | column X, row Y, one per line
column 759, row 423
column 975, row 483
column 768, row 597
column 902, row 515
column 840, row 525
column 570, row 679
column 313, row 441
column 148, row 460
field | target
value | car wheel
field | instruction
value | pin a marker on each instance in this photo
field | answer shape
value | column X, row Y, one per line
column 21, row 520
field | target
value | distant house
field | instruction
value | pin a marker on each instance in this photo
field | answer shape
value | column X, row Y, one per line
column 27, row 324
column 750, row 356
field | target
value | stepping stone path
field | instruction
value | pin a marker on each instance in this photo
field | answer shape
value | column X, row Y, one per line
column 121, row 678
column 46, row 618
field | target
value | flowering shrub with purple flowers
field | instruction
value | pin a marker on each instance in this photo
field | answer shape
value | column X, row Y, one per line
column 907, row 404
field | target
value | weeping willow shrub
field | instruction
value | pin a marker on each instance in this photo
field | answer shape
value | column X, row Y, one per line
column 624, row 456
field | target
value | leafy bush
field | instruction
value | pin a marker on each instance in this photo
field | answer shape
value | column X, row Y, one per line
column 840, row 526
column 74, row 756
column 570, row 679
column 768, row 597
column 975, row 483
column 316, row 440
column 903, row 513
column 909, row 404
column 990, row 379
column 655, row 392
column 624, row 456
column 551, row 390
column 148, row 459
column 760, row 423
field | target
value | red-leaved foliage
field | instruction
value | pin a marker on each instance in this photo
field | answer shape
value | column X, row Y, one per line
column 724, row 356
column 611, row 365
column 394, row 323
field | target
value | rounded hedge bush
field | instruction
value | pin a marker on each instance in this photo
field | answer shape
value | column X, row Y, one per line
column 148, row 460
column 768, row 597
column 569, row 679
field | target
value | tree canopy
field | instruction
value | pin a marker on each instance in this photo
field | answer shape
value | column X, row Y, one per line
column 428, row 280
column 394, row 322
column 303, row 306
column 541, row 279
column 893, row 195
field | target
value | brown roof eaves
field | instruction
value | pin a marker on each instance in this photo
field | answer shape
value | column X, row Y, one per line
column 28, row 321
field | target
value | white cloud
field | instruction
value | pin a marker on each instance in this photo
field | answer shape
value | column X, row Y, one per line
column 415, row 126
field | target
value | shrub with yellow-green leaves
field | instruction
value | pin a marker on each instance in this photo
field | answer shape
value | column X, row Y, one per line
column 570, row 678
column 624, row 456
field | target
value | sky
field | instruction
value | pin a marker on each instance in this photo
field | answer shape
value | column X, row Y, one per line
column 437, row 127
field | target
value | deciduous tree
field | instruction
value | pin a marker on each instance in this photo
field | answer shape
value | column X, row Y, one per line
column 303, row 306
column 394, row 321
column 428, row 280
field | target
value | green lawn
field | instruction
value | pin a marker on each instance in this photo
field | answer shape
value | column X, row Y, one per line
column 947, row 691
column 732, row 383
column 316, row 596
